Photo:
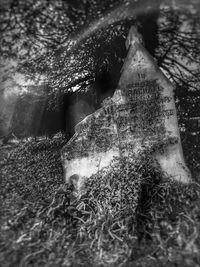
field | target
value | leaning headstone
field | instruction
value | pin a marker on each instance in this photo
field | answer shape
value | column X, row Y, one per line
column 140, row 114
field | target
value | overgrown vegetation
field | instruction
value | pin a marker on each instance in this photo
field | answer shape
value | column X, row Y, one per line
column 126, row 215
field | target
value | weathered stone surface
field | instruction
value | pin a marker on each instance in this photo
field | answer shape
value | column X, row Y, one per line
column 141, row 113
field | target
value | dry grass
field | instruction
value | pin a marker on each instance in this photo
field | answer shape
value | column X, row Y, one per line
column 126, row 216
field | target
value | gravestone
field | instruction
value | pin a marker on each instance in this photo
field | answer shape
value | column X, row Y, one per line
column 140, row 114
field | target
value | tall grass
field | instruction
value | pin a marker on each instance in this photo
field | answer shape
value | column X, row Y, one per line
column 127, row 214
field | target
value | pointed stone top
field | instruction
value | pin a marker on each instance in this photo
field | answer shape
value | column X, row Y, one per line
column 133, row 37
column 139, row 64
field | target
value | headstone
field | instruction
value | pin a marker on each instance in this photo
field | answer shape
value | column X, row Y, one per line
column 140, row 114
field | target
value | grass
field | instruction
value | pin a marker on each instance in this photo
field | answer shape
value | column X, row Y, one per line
column 127, row 214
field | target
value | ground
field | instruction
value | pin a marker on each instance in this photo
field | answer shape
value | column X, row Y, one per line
column 127, row 215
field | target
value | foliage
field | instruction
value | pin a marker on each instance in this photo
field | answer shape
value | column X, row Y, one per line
column 21, row 162
column 80, row 46
column 125, row 216
column 72, row 44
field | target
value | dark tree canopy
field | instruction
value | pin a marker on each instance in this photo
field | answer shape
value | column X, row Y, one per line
column 79, row 45
column 72, row 43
